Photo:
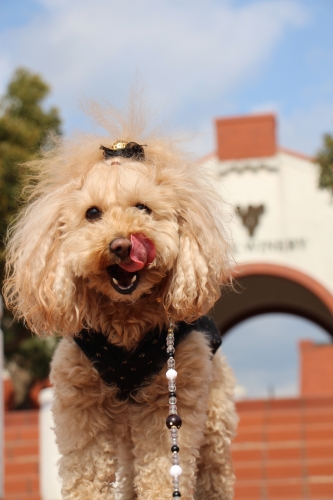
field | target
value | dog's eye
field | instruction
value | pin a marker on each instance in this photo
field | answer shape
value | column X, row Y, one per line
column 93, row 213
column 141, row 206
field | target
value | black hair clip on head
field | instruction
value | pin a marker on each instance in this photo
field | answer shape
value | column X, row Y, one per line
column 124, row 149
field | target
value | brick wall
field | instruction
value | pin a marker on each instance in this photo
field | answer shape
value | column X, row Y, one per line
column 21, row 456
column 283, row 451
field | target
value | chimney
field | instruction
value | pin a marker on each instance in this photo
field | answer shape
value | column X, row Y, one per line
column 246, row 137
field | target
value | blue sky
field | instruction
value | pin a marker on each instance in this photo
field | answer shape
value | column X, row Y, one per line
column 198, row 61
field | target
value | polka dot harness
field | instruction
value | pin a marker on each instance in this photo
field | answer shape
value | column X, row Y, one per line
column 130, row 370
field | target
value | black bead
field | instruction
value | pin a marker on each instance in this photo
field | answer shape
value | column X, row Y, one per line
column 173, row 421
column 172, row 394
column 176, row 494
column 174, row 448
column 170, row 354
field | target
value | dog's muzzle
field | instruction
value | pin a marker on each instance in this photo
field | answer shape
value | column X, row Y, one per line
column 133, row 255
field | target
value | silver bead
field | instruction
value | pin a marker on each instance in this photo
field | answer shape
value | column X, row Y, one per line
column 171, row 363
column 175, row 459
column 173, row 410
column 175, row 483
column 172, row 400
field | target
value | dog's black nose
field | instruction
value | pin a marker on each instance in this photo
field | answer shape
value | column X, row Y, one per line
column 121, row 247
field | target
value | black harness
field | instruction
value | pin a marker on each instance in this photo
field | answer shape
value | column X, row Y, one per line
column 130, row 370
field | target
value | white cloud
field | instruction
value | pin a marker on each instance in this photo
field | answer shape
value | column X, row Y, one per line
column 265, row 107
column 190, row 54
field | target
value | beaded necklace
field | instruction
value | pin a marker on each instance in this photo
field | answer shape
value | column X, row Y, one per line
column 173, row 421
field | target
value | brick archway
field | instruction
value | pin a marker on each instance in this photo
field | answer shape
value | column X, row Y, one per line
column 263, row 288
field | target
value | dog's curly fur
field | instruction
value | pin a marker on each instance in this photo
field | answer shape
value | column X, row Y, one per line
column 57, row 281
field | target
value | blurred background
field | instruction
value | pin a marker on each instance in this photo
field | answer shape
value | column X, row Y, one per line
column 249, row 84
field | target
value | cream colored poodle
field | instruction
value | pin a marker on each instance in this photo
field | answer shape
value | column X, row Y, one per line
column 121, row 250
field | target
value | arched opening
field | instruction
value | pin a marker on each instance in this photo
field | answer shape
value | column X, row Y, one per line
column 271, row 309
column 269, row 288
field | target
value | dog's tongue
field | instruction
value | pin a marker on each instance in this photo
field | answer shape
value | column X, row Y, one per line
column 142, row 253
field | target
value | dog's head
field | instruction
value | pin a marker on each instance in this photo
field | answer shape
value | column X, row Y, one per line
column 105, row 230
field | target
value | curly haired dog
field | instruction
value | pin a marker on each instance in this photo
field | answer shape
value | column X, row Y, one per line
column 113, row 244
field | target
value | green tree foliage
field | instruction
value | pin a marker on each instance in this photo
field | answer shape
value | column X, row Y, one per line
column 325, row 160
column 24, row 128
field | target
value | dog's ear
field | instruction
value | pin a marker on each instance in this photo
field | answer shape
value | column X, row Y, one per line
column 38, row 287
column 203, row 259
